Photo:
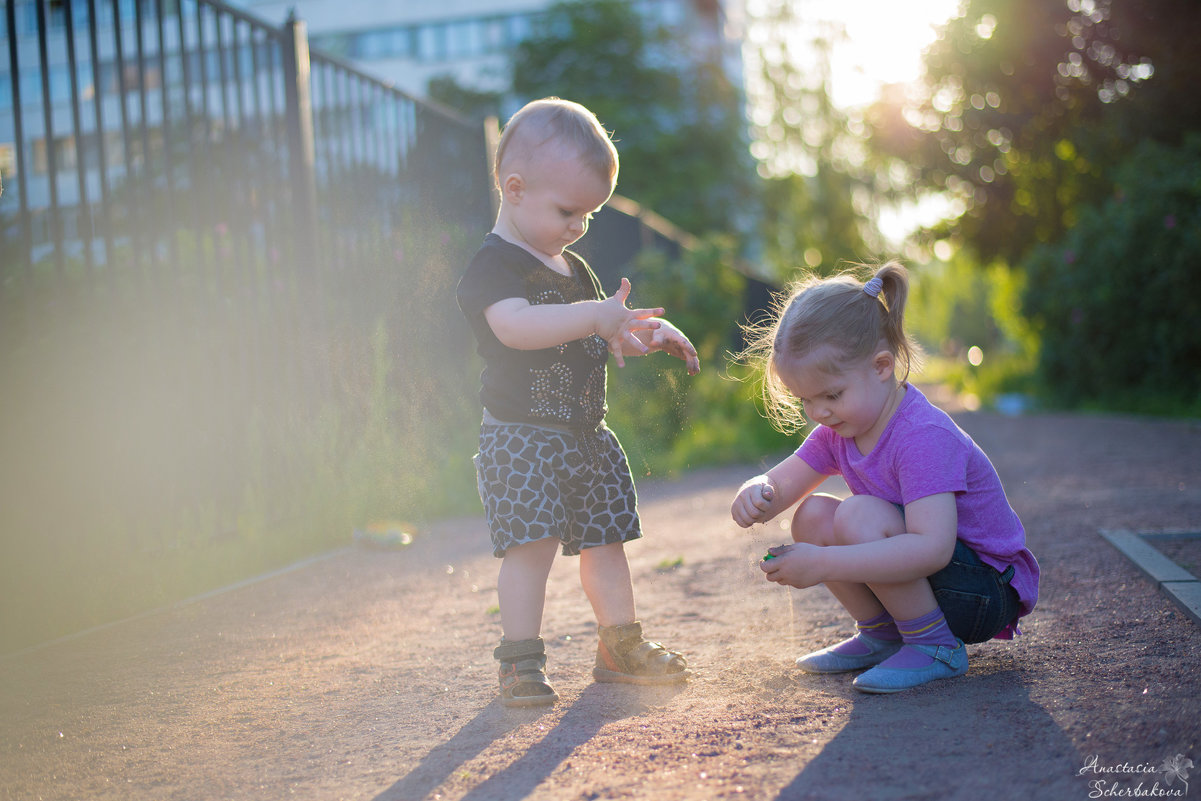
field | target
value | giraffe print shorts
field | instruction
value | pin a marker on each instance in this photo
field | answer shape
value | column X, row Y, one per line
column 537, row 482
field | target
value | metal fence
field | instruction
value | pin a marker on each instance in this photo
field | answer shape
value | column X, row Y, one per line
column 223, row 259
column 134, row 126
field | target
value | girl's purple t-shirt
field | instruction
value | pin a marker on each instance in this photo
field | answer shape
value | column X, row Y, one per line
column 922, row 452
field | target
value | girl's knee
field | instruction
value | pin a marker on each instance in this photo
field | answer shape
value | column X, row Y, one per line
column 813, row 521
column 865, row 518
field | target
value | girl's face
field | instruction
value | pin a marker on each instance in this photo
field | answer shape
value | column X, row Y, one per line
column 856, row 401
column 555, row 204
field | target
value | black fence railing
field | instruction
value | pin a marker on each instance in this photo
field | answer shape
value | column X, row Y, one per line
column 226, row 288
column 131, row 126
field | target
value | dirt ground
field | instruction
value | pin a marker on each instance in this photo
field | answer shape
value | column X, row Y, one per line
column 368, row 675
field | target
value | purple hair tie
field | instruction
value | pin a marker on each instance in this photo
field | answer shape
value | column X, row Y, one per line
column 873, row 287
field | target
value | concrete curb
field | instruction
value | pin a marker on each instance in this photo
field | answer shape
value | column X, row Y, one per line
column 1177, row 583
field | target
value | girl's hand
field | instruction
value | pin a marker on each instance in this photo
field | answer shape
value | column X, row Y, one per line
column 671, row 340
column 752, row 504
column 796, row 565
column 616, row 324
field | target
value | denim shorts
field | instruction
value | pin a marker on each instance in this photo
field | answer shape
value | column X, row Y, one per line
column 975, row 597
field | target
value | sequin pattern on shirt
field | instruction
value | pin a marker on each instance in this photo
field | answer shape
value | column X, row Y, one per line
column 556, row 395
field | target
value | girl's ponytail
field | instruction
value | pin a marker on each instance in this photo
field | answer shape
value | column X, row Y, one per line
column 851, row 317
column 892, row 281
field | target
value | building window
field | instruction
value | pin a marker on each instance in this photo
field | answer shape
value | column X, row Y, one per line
column 431, row 42
column 371, row 45
column 339, row 45
column 465, row 39
column 402, row 42
column 520, row 28
column 494, row 35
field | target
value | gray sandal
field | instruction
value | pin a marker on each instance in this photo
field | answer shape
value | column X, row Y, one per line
column 522, row 673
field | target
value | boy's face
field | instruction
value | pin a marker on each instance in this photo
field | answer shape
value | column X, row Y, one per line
column 554, row 203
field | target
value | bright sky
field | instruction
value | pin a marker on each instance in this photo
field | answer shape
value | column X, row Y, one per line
column 884, row 44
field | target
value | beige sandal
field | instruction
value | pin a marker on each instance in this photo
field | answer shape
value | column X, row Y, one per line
column 623, row 656
column 522, row 677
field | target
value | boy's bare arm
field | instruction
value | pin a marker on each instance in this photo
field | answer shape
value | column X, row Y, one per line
column 522, row 326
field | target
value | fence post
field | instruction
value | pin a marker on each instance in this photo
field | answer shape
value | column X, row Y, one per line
column 299, row 119
column 491, row 140
column 309, row 310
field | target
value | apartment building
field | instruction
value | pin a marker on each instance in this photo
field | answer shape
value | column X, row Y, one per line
column 412, row 41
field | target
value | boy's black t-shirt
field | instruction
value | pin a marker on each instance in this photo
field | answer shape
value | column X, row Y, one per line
column 563, row 385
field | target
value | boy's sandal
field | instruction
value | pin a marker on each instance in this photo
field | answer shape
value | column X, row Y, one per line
column 522, row 673
column 623, row 656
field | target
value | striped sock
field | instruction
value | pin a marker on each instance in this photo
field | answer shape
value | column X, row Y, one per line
column 880, row 627
column 929, row 629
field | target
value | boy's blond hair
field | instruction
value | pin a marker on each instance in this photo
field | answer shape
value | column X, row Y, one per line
column 573, row 130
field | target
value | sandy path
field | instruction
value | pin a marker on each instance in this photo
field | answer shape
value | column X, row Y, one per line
column 369, row 675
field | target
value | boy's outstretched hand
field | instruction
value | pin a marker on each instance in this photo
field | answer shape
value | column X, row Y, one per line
column 671, row 340
column 621, row 326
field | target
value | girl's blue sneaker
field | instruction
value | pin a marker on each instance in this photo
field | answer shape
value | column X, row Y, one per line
column 828, row 660
column 948, row 663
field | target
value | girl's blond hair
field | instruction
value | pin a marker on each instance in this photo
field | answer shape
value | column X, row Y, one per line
column 839, row 312
column 571, row 129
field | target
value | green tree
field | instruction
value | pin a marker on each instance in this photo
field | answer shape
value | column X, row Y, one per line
column 1060, row 129
column 474, row 104
column 818, row 195
column 677, row 119
column 1117, row 300
column 1028, row 106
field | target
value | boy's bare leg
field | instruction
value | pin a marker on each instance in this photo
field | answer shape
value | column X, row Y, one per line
column 521, row 588
column 623, row 655
column 605, row 576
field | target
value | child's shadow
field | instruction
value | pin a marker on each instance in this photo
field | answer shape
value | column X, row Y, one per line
column 597, row 705
column 960, row 739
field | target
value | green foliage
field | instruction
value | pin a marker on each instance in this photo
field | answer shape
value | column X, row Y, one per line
column 955, row 305
column 1028, row 120
column 991, row 71
column 169, row 433
column 1117, row 300
column 1028, row 104
column 814, row 213
column 677, row 120
column 669, row 421
column 668, row 565
column 475, row 104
